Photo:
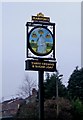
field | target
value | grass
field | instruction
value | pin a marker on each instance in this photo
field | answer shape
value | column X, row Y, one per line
column 34, row 46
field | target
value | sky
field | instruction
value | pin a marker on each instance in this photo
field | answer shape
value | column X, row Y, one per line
column 67, row 17
column 46, row 32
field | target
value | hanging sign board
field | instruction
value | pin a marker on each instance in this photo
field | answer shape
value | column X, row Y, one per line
column 40, row 49
column 40, row 65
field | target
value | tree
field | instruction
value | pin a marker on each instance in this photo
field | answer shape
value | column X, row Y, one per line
column 32, row 41
column 50, row 86
column 75, row 84
column 30, row 111
column 26, row 88
column 77, row 110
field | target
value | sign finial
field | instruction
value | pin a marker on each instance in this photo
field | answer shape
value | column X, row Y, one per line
column 40, row 14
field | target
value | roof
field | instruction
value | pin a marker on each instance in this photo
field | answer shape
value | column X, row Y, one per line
column 10, row 107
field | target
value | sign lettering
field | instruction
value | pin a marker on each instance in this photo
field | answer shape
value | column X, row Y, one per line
column 40, row 65
column 37, row 18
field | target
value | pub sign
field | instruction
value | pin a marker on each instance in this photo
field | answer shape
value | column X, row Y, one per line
column 40, row 44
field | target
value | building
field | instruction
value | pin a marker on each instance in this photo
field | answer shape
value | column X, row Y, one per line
column 9, row 108
column 33, row 97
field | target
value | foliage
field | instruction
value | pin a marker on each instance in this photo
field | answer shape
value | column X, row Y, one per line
column 77, row 110
column 71, row 109
column 65, row 109
column 50, row 86
column 30, row 110
column 75, row 84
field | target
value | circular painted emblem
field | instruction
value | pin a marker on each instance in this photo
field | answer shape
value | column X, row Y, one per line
column 40, row 41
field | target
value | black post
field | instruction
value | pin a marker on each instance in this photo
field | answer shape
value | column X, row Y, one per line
column 41, row 96
column 57, row 107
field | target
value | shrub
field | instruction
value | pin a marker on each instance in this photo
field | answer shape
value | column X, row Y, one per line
column 77, row 110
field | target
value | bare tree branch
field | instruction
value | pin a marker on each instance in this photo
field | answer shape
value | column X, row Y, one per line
column 26, row 88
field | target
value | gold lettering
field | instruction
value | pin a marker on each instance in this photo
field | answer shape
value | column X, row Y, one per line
column 36, row 63
column 38, row 66
column 32, row 66
column 49, row 67
column 41, row 18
